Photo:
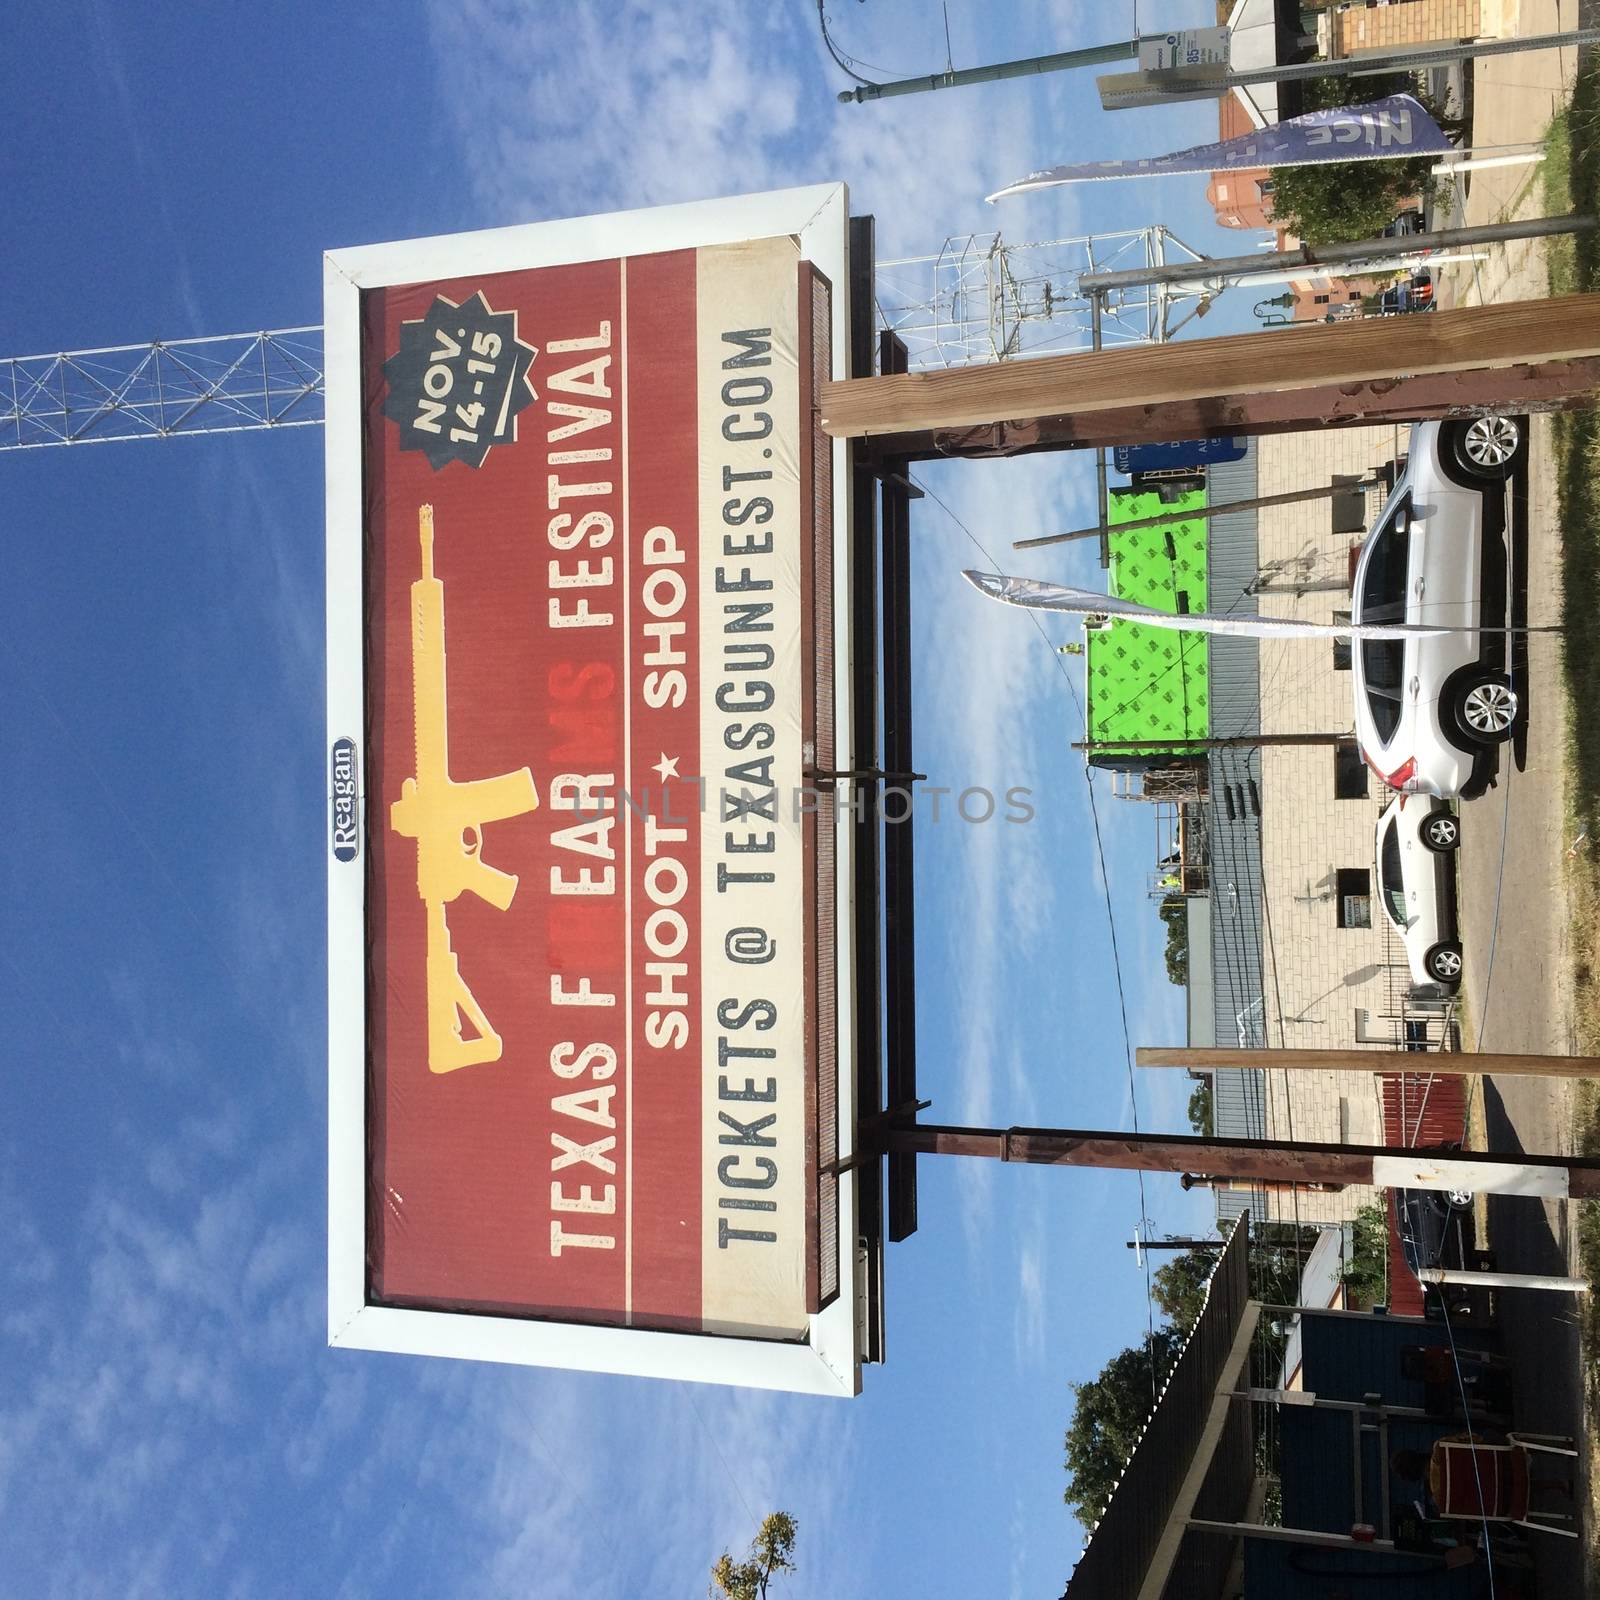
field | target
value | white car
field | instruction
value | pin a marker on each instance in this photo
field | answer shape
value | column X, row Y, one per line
column 1432, row 710
column 1416, row 844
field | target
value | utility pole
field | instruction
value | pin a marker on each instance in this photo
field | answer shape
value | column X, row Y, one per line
column 1265, row 1161
column 1167, row 85
column 1443, row 1063
column 1557, row 1283
column 1239, row 741
column 1289, row 497
column 1028, row 67
column 1351, row 253
column 1276, row 361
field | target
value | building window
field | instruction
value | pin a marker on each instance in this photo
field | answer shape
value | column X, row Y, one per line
column 1349, row 505
column 1341, row 647
column 1349, row 770
column 1320, row 299
column 1353, row 897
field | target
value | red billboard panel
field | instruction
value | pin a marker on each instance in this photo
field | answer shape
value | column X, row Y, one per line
column 597, row 581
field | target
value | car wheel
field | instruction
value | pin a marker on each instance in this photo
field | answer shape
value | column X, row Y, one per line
column 1443, row 962
column 1460, row 1199
column 1487, row 711
column 1442, row 831
column 1487, row 447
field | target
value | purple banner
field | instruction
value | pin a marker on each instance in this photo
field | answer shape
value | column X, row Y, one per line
column 1384, row 129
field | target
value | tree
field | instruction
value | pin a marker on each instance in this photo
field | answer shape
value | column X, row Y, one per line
column 771, row 1552
column 1344, row 200
column 1341, row 200
column 1366, row 1277
column 1110, row 1414
column 1202, row 1118
column 1179, row 1287
column 1175, row 913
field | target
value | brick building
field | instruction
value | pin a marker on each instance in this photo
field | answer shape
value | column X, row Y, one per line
column 1354, row 29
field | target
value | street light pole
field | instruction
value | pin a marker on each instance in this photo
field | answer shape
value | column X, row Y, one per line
column 1030, row 66
column 1371, row 253
column 1168, row 85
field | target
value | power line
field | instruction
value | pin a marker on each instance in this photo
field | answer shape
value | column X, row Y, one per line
column 1111, row 922
column 846, row 64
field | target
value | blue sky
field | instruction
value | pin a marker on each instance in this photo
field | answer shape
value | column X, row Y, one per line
column 170, row 1420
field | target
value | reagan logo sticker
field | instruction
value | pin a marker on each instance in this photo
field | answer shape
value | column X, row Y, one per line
column 346, row 797
column 457, row 382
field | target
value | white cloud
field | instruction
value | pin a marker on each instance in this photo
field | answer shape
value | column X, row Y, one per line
column 1005, row 714
column 1031, row 1295
column 624, row 105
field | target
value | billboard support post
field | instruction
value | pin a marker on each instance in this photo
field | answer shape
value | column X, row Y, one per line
column 1539, row 386
column 1294, row 1164
column 1287, row 362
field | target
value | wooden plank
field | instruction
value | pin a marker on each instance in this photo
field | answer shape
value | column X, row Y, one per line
column 1541, row 386
column 1276, row 360
column 1194, row 1478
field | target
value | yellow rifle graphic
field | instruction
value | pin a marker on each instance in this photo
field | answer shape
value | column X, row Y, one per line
column 446, row 819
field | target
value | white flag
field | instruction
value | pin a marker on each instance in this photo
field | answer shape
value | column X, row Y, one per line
column 1035, row 594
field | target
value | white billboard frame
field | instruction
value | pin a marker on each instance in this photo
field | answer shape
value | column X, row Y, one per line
column 828, row 1360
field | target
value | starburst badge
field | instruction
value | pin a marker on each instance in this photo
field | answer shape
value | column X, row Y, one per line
column 458, row 380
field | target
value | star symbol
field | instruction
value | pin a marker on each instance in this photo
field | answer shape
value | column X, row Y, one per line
column 667, row 766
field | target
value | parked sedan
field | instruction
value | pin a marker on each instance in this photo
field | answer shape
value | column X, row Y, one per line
column 1431, row 709
column 1437, row 1229
column 1416, row 846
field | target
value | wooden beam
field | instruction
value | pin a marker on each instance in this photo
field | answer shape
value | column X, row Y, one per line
column 1258, row 1160
column 1194, row 1477
column 1444, row 1063
column 1543, row 386
column 1276, row 360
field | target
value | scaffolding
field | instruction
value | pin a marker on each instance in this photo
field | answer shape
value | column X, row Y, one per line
column 975, row 299
column 978, row 298
column 163, row 390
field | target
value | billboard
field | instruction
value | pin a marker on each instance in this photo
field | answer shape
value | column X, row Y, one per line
column 589, row 1083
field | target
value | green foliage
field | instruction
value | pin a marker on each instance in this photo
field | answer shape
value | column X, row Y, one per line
column 1109, row 1416
column 1202, row 1116
column 772, row 1552
column 1275, row 1267
column 1345, row 200
column 1366, row 1275
column 1179, row 1287
column 1174, row 913
column 1111, row 1409
column 1342, row 200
